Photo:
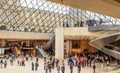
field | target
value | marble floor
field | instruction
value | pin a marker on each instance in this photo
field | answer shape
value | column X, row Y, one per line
column 27, row 69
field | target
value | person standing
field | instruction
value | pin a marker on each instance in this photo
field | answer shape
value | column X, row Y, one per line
column 79, row 68
column 11, row 61
column 31, row 57
column 58, row 69
column 23, row 62
column 53, row 63
column 18, row 62
column 71, row 67
column 56, row 62
column 46, row 68
column 63, row 69
column 1, row 61
column 5, row 64
column 32, row 65
column 107, row 63
column 49, row 67
column 37, row 59
column 44, row 59
column 36, row 66
column 94, row 67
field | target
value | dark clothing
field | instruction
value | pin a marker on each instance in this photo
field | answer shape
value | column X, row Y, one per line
column 58, row 69
column 37, row 59
column 36, row 66
column 63, row 69
column 79, row 68
column 5, row 64
column 94, row 67
column 71, row 69
column 49, row 67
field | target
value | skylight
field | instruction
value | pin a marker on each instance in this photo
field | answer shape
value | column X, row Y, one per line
column 45, row 6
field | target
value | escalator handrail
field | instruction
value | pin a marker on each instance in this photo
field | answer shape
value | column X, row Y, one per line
column 49, row 42
column 42, row 52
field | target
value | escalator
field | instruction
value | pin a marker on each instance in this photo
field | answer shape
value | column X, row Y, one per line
column 50, row 44
column 101, row 44
column 48, row 48
column 41, row 52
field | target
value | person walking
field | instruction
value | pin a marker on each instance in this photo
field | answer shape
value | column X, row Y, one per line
column 32, row 64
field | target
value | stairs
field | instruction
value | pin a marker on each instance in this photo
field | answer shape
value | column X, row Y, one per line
column 101, row 42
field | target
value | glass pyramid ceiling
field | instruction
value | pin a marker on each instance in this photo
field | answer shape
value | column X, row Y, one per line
column 43, row 16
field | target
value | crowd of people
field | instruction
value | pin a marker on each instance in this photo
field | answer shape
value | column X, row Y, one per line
column 78, row 61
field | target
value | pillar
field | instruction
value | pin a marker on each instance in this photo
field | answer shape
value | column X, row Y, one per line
column 68, row 47
column 59, row 43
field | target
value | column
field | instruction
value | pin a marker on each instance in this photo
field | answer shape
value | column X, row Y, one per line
column 70, row 46
column 27, row 43
column 59, row 43
column 67, row 47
